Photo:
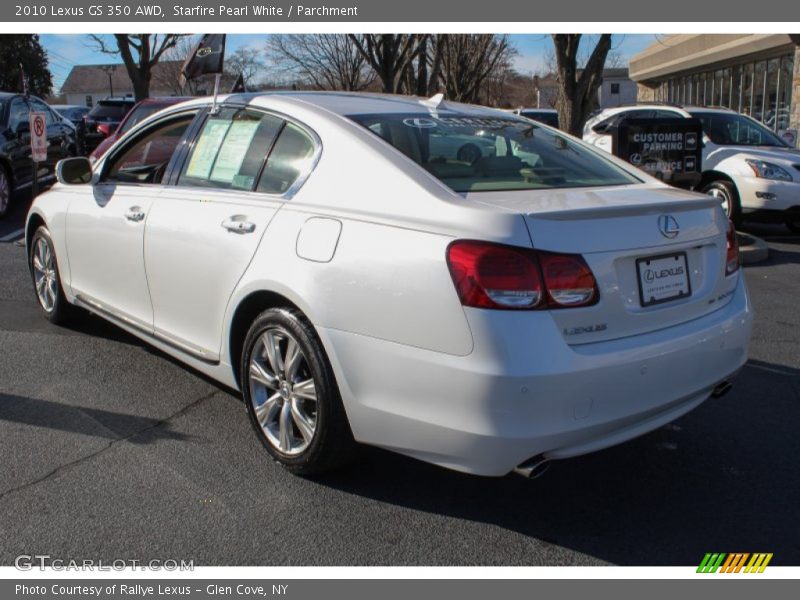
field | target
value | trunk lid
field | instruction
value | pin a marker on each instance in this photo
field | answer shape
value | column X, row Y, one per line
column 618, row 231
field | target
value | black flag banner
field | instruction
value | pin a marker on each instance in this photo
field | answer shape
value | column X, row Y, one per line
column 207, row 56
column 238, row 86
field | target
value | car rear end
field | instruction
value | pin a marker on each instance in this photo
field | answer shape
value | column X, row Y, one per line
column 104, row 116
column 623, row 310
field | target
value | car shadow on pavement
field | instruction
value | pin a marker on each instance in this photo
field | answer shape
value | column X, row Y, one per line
column 87, row 421
column 723, row 478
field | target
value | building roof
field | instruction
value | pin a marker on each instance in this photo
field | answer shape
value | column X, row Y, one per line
column 89, row 78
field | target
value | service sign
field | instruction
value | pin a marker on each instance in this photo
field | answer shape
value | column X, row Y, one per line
column 38, row 122
column 668, row 149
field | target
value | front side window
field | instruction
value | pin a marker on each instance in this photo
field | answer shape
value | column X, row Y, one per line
column 139, row 114
column 146, row 159
column 484, row 154
column 38, row 105
column 731, row 129
column 19, row 112
column 230, row 150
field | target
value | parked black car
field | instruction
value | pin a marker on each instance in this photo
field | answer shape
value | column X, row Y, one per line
column 16, row 165
column 103, row 120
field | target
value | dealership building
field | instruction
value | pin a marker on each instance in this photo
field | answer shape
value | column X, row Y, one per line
column 758, row 75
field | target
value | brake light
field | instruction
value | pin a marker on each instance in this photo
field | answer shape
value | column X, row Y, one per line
column 568, row 279
column 732, row 254
column 488, row 275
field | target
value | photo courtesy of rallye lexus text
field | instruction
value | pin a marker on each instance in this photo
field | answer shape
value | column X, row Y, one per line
column 454, row 283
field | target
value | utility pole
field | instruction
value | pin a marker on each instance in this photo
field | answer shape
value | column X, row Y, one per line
column 110, row 69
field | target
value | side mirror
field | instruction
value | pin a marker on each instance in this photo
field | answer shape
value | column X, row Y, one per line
column 22, row 128
column 601, row 128
column 74, row 171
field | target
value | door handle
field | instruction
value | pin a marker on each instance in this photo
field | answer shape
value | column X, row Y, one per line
column 237, row 224
column 135, row 214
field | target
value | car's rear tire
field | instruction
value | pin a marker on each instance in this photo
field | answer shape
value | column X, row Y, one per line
column 5, row 191
column 291, row 394
column 46, row 278
column 728, row 196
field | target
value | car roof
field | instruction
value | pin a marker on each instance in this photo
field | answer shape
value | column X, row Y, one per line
column 541, row 110
column 359, row 103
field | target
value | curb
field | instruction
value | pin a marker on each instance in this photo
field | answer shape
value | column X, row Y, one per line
column 751, row 248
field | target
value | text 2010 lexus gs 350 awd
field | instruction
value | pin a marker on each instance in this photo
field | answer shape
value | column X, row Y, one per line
column 451, row 282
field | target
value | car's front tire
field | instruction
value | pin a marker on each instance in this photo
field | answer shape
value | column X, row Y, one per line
column 728, row 197
column 46, row 279
column 291, row 394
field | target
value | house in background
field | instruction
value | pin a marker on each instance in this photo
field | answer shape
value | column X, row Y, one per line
column 86, row 84
column 617, row 88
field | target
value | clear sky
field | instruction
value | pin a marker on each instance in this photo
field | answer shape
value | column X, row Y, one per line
column 67, row 50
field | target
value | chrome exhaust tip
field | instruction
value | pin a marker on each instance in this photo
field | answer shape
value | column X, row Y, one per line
column 533, row 467
column 721, row 389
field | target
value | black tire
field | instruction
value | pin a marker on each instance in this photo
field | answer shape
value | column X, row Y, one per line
column 793, row 226
column 727, row 193
column 332, row 445
column 6, row 190
column 60, row 310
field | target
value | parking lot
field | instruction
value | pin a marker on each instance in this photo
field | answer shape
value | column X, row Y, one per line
column 111, row 450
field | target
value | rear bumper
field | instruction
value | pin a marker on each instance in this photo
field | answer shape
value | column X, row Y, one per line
column 524, row 392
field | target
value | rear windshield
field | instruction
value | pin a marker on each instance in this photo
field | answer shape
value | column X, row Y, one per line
column 547, row 118
column 487, row 154
column 109, row 112
column 140, row 114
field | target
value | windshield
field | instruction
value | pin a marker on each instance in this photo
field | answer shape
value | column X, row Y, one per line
column 548, row 118
column 487, row 154
column 731, row 129
column 109, row 112
column 139, row 114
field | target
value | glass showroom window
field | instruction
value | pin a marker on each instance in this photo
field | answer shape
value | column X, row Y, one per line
column 747, row 89
column 759, row 90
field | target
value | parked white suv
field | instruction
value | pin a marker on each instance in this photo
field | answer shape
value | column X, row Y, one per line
column 754, row 173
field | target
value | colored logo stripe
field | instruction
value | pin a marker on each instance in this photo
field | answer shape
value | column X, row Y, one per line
column 734, row 562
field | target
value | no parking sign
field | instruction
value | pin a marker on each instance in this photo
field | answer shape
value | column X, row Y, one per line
column 38, row 122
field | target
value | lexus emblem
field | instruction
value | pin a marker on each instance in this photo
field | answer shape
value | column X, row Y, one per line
column 668, row 226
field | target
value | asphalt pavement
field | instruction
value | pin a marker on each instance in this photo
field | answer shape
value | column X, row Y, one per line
column 111, row 450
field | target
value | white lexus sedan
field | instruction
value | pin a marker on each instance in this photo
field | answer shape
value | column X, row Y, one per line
column 489, row 310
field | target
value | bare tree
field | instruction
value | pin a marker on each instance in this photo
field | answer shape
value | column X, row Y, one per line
column 140, row 52
column 324, row 61
column 474, row 63
column 247, row 61
column 389, row 55
column 577, row 90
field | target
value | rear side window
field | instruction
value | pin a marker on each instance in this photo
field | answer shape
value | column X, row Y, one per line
column 109, row 112
column 290, row 158
column 230, row 150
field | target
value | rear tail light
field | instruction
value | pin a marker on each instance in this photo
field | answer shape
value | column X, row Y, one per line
column 732, row 254
column 488, row 275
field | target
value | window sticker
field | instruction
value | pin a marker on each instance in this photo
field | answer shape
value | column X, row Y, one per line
column 234, row 148
column 205, row 151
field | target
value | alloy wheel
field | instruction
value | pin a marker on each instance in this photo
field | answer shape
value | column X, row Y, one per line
column 723, row 198
column 45, row 276
column 282, row 391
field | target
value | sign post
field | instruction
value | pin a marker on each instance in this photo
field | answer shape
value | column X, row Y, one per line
column 38, row 123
